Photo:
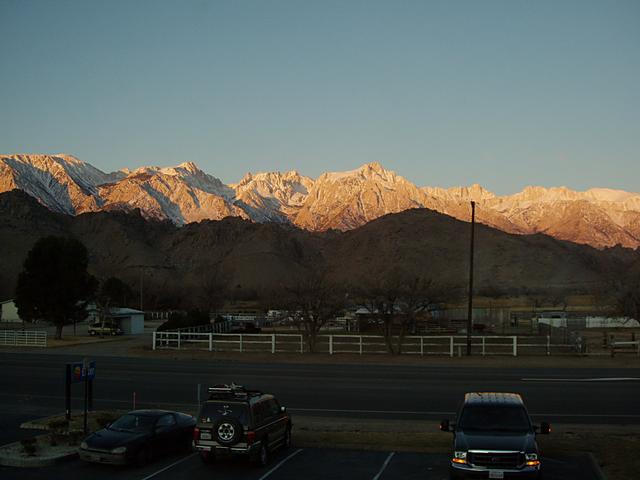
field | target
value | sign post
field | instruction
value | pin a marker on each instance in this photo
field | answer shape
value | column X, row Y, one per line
column 67, row 391
column 77, row 372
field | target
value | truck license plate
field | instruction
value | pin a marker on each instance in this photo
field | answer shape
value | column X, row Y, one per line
column 205, row 435
column 496, row 474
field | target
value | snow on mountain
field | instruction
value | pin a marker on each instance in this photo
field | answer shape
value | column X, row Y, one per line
column 61, row 182
column 182, row 194
column 272, row 196
column 346, row 200
column 336, row 200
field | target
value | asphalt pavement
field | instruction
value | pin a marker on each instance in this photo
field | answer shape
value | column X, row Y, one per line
column 293, row 464
column 33, row 385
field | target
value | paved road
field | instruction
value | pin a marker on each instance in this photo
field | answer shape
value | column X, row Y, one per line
column 32, row 384
column 310, row 464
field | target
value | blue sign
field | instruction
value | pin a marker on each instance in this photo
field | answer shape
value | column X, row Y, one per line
column 79, row 372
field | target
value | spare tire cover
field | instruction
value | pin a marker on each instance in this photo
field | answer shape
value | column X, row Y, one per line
column 228, row 430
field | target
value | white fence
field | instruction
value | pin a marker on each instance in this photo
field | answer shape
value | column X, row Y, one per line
column 29, row 338
column 358, row 344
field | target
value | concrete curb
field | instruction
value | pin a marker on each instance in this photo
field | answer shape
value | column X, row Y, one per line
column 596, row 467
column 31, row 425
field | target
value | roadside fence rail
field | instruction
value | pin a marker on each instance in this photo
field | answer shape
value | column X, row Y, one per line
column 447, row 345
column 23, row 338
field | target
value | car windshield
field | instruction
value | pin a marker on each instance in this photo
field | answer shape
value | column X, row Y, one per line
column 494, row 418
column 133, row 423
column 212, row 411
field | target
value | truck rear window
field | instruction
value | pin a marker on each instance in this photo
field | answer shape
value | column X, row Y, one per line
column 211, row 412
column 491, row 418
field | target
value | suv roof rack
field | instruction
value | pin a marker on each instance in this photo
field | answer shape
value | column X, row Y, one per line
column 223, row 391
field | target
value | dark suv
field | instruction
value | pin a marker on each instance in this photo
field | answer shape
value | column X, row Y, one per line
column 494, row 438
column 237, row 421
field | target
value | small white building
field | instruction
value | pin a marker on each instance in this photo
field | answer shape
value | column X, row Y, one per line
column 130, row 321
column 9, row 312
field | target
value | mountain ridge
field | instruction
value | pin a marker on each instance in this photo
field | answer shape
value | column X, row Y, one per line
column 184, row 194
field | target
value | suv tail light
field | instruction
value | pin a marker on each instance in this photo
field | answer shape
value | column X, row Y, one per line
column 196, row 433
column 251, row 437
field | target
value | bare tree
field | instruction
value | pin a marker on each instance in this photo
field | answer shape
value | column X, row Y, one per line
column 315, row 301
column 395, row 302
column 628, row 299
column 212, row 291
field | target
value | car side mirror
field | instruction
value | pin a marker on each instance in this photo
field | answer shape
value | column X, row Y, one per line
column 545, row 428
column 444, row 425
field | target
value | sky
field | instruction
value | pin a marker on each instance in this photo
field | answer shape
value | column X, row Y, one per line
column 502, row 93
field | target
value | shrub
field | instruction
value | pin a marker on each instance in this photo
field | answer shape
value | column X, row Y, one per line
column 29, row 446
column 74, row 437
column 59, row 426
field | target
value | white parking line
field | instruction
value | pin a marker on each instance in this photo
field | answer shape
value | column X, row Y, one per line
column 384, row 465
column 169, row 466
column 278, row 465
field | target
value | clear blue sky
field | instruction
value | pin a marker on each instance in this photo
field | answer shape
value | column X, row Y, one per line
column 445, row 93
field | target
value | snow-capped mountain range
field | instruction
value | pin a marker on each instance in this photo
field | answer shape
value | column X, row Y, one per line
column 338, row 200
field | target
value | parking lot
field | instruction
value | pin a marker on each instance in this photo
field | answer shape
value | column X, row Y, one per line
column 294, row 464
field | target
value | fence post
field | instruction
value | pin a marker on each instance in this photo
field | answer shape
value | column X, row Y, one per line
column 451, row 346
column 483, row 345
column 548, row 345
column 210, row 341
column 515, row 346
column 330, row 344
column 421, row 346
column 178, row 340
column 273, row 343
column 240, row 343
column 301, row 344
column 360, row 344
column 154, row 340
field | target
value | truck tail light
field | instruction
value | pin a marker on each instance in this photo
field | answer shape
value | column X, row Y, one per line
column 196, row 433
column 251, row 437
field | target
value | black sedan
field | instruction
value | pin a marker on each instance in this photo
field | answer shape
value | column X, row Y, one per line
column 138, row 437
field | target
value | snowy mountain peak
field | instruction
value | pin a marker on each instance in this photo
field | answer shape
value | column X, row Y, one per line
column 335, row 200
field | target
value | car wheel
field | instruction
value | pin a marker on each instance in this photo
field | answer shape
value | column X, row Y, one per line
column 143, row 457
column 287, row 439
column 92, row 333
column 262, row 458
column 113, row 334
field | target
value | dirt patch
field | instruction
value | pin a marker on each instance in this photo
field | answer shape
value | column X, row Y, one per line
column 616, row 453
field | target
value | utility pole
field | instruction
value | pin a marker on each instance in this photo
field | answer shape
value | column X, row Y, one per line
column 470, row 311
column 141, row 285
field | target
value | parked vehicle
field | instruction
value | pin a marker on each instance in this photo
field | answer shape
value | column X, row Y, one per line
column 494, row 438
column 98, row 328
column 237, row 421
column 138, row 437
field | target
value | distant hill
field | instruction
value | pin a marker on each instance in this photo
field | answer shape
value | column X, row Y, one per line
column 187, row 262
